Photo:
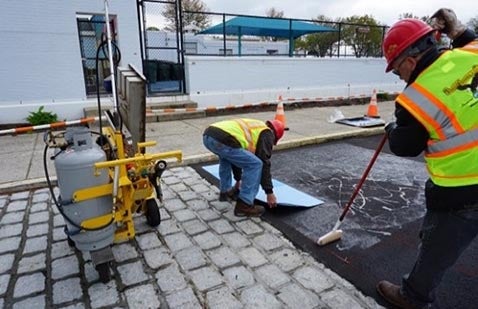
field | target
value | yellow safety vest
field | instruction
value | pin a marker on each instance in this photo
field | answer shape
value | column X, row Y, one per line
column 444, row 99
column 245, row 131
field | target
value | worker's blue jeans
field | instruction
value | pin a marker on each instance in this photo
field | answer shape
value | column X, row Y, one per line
column 250, row 164
column 444, row 236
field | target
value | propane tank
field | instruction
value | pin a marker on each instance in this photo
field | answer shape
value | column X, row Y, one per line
column 75, row 170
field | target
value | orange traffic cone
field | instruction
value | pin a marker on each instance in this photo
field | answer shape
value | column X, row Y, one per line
column 280, row 113
column 372, row 111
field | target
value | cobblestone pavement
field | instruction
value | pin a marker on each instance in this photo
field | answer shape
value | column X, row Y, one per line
column 200, row 256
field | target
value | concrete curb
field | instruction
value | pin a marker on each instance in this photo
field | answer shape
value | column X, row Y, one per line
column 36, row 183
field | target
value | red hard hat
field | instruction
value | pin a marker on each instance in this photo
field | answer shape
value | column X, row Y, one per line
column 278, row 128
column 401, row 36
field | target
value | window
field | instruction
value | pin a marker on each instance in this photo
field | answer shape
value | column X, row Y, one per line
column 191, row 48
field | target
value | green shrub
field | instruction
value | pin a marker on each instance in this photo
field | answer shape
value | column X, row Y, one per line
column 41, row 117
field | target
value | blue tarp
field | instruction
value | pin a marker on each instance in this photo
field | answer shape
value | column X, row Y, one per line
column 263, row 26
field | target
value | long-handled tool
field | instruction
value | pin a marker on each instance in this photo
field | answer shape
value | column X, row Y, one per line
column 336, row 234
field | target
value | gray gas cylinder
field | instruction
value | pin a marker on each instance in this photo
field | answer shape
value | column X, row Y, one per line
column 75, row 170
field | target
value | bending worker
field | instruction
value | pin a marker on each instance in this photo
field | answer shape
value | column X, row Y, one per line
column 437, row 113
column 245, row 144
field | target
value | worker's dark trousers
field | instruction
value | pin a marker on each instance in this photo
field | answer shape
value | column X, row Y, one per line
column 444, row 236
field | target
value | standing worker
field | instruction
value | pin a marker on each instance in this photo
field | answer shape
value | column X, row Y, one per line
column 245, row 144
column 437, row 113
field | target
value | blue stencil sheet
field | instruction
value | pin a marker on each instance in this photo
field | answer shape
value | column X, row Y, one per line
column 285, row 194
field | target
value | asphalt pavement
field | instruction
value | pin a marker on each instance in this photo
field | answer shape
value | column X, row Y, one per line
column 200, row 256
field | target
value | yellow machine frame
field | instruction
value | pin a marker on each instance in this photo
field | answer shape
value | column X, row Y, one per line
column 130, row 188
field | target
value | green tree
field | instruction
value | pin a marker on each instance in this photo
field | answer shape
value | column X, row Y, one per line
column 192, row 15
column 363, row 34
column 272, row 12
column 320, row 44
column 152, row 28
column 410, row 15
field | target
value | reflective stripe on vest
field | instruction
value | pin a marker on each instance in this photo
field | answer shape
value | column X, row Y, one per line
column 443, row 100
column 245, row 131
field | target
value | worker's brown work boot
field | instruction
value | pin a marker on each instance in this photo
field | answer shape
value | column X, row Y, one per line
column 229, row 195
column 391, row 293
column 244, row 210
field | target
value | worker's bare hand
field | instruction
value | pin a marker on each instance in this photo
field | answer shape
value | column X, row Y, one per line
column 445, row 21
column 271, row 200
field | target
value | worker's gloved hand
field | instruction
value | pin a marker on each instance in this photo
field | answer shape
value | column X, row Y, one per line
column 445, row 21
column 390, row 127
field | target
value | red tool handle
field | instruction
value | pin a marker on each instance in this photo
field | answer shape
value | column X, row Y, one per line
column 364, row 176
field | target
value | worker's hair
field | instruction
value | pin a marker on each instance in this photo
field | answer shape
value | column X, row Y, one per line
column 422, row 45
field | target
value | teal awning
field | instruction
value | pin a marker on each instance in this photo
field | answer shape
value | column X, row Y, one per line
column 266, row 26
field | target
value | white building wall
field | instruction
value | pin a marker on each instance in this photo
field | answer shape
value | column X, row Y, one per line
column 40, row 53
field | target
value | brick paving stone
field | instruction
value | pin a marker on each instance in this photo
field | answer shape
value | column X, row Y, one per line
column 174, row 204
column 257, row 297
column 190, row 258
column 42, row 206
column 272, row 275
column 59, row 234
column 102, row 295
column 75, row 306
column 239, row 277
column 7, row 262
column 148, row 241
column 221, row 226
column 35, row 244
column 132, row 273
column 200, row 187
column 124, row 251
column 223, row 257
column 236, row 240
column 194, row 227
column 222, row 298
column 184, row 215
column 143, row 296
column 9, row 230
column 4, row 279
column 20, row 205
column 32, row 263
column 9, row 244
column 252, row 257
column 164, row 214
column 12, row 217
column 206, row 278
column 188, row 195
column 64, row 267
column 339, row 299
column 268, row 241
column 177, row 241
column 210, row 196
column 60, row 249
column 184, row 299
column 296, row 297
column 37, row 229
column 40, row 197
column 38, row 217
column 313, row 279
column 157, row 257
column 178, row 187
column 168, row 194
column 229, row 215
column 287, row 259
column 170, row 180
column 66, row 290
column 207, row 240
column 90, row 272
column 208, row 214
column 197, row 204
column 33, row 302
column 20, row 195
column 29, row 284
column 221, row 206
column 170, row 279
column 169, row 227
column 249, row 227
column 58, row 220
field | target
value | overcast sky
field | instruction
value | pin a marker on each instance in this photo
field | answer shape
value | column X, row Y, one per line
column 386, row 12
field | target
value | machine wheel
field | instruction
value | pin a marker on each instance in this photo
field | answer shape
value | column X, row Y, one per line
column 104, row 272
column 153, row 217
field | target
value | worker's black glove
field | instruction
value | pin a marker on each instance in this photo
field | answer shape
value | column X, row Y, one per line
column 445, row 21
column 390, row 127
